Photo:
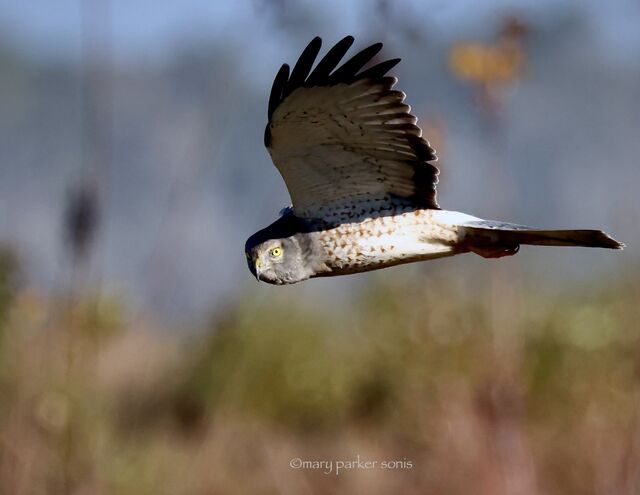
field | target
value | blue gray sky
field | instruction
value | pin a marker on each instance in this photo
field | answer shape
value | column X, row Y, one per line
column 148, row 27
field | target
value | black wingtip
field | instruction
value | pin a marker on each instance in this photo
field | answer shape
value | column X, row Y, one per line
column 277, row 89
column 349, row 70
column 303, row 66
column 347, row 41
column 326, row 72
column 329, row 62
column 379, row 70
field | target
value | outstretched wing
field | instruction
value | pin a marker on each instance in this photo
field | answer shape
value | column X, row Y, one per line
column 343, row 139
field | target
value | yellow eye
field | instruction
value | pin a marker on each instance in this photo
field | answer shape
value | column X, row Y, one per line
column 276, row 251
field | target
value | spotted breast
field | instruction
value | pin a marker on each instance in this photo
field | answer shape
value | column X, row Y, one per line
column 404, row 235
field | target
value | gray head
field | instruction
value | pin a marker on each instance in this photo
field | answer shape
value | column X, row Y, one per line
column 283, row 253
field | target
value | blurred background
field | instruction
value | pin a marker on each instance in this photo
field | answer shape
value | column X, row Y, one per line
column 137, row 353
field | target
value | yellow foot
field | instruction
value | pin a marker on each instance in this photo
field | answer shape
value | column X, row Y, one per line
column 495, row 252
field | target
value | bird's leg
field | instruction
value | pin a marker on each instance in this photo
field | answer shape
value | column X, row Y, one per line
column 495, row 252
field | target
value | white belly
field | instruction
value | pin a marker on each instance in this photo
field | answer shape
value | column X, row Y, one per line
column 408, row 235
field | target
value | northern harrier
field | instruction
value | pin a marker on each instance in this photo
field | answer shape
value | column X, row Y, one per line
column 362, row 180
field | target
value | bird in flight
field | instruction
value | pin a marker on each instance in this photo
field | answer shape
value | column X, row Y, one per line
column 362, row 179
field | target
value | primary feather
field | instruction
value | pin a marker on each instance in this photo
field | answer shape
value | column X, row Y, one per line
column 342, row 138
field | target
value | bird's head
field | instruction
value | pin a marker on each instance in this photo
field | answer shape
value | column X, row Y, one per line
column 276, row 261
column 282, row 253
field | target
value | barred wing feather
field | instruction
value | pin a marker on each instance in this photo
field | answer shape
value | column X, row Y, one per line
column 344, row 138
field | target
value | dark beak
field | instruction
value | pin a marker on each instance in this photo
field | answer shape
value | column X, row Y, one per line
column 256, row 269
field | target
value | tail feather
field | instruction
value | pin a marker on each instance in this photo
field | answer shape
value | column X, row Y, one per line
column 490, row 234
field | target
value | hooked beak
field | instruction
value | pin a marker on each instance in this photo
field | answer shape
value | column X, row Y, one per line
column 256, row 266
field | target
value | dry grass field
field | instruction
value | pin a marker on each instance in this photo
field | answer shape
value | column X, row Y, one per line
column 431, row 391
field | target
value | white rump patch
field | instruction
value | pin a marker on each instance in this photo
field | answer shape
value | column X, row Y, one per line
column 453, row 217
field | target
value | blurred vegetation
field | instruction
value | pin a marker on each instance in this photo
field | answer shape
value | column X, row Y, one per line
column 96, row 403
column 8, row 280
column 491, row 68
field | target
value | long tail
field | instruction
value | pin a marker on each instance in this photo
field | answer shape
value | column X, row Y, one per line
column 494, row 239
